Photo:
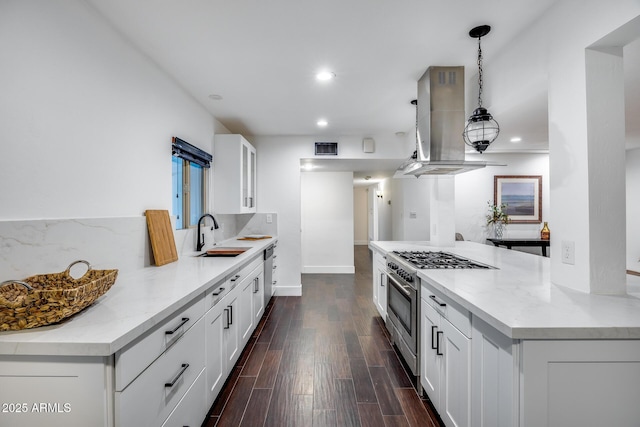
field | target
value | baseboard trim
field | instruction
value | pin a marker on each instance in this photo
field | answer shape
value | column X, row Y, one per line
column 287, row 291
column 333, row 269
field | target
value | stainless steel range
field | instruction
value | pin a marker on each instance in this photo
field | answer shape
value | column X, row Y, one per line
column 403, row 296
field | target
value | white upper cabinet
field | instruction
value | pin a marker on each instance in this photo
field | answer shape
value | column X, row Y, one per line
column 234, row 175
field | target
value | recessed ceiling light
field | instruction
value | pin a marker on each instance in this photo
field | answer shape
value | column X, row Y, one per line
column 215, row 97
column 322, row 123
column 400, row 134
column 516, row 139
column 325, row 75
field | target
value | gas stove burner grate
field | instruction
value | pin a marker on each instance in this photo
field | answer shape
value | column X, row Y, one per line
column 438, row 260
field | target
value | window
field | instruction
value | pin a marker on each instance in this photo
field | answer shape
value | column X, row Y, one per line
column 190, row 167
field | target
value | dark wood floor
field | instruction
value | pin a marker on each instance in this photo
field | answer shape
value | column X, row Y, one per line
column 323, row 359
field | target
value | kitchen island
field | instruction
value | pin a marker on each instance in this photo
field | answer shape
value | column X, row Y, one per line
column 95, row 367
column 534, row 354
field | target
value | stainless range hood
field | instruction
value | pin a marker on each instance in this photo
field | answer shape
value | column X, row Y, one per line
column 440, row 123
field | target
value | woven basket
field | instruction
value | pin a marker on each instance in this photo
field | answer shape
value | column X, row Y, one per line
column 48, row 298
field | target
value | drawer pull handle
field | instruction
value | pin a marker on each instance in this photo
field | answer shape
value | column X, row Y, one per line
column 184, row 368
column 438, row 352
column 184, row 321
column 226, row 311
column 218, row 292
column 236, row 277
column 433, row 335
column 441, row 304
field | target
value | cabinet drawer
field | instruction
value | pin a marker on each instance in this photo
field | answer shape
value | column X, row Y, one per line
column 149, row 399
column 192, row 408
column 457, row 315
column 134, row 358
column 216, row 293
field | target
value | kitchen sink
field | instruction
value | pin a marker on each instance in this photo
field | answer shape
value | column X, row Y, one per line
column 224, row 251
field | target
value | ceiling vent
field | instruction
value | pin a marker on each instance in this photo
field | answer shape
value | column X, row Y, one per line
column 326, row 148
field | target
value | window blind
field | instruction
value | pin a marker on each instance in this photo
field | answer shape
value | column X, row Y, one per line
column 184, row 150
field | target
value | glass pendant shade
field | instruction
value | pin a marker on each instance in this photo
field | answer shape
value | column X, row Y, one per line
column 481, row 130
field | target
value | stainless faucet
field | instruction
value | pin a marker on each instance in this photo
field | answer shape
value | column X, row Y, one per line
column 215, row 225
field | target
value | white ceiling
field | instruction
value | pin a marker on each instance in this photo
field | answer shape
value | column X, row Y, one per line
column 261, row 58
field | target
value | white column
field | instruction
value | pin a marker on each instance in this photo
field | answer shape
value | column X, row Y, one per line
column 587, row 170
column 442, row 216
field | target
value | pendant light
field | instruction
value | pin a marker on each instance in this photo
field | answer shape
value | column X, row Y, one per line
column 481, row 129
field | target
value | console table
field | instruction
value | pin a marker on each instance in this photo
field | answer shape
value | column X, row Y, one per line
column 509, row 243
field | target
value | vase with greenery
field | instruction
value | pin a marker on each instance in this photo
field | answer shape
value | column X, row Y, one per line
column 497, row 217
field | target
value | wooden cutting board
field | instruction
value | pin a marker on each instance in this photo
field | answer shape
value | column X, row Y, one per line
column 161, row 234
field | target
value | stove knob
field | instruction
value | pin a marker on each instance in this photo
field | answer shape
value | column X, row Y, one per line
column 409, row 278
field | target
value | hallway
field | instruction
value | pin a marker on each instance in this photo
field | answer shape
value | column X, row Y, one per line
column 322, row 359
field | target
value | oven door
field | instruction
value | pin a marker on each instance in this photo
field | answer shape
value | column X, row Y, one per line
column 402, row 306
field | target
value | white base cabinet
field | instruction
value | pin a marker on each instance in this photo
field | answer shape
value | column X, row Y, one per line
column 170, row 376
column 230, row 321
column 446, row 358
column 580, row 383
column 493, row 377
column 380, row 283
column 56, row 391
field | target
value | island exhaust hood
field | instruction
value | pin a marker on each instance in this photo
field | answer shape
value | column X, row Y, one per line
column 440, row 120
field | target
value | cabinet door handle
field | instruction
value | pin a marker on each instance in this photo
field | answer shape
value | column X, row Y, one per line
column 230, row 315
column 218, row 292
column 440, row 303
column 382, row 279
column 433, row 335
column 184, row 321
column 177, row 377
column 226, row 313
column 256, row 285
column 438, row 352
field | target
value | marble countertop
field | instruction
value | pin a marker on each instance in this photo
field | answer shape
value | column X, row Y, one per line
column 137, row 302
column 519, row 300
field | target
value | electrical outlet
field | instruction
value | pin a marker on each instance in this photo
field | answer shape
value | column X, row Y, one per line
column 568, row 252
column 269, row 218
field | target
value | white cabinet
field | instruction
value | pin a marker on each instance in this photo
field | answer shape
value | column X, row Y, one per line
column 380, row 283
column 258, row 296
column 446, row 357
column 55, row 391
column 245, row 315
column 215, row 323
column 154, row 394
column 189, row 410
column 492, row 377
column 230, row 321
column 234, row 174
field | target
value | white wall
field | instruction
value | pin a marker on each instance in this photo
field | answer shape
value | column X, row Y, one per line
column 474, row 189
column 86, row 119
column 577, row 202
column 279, row 188
column 633, row 210
column 410, row 208
column 385, row 227
column 327, row 222
column 360, row 215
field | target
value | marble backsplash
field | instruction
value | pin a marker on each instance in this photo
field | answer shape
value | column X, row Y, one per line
column 29, row 247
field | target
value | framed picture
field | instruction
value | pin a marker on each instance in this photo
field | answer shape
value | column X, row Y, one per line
column 523, row 196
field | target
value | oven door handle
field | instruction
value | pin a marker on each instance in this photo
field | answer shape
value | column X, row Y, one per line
column 406, row 290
